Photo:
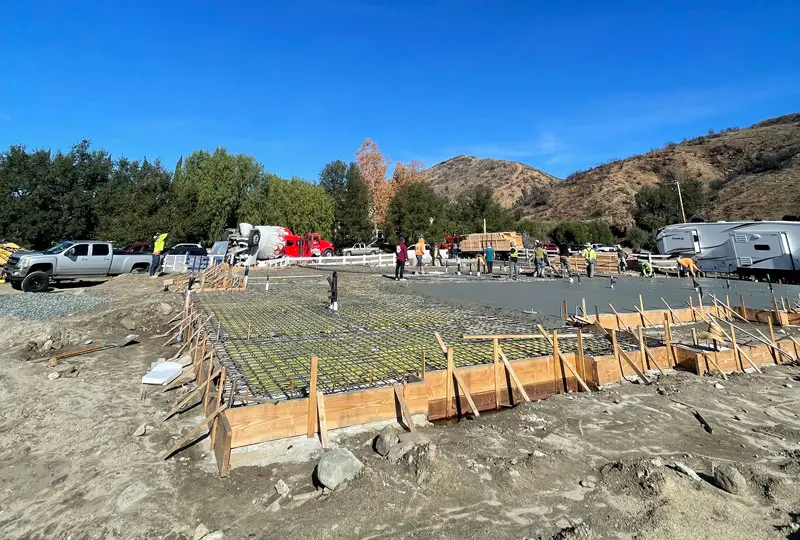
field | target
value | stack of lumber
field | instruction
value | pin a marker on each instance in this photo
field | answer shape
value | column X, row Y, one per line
column 606, row 262
column 501, row 241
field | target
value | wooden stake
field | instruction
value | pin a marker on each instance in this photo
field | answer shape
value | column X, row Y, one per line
column 672, row 313
column 633, row 365
column 449, row 390
column 565, row 310
column 312, row 399
column 700, row 304
column 596, row 314
column 556, row 362
column 323, row 422
column 642, row 354
column 217, row 403
column 441, row 342
column 496, row 359
column 579, row 354
column 691, row 305
column 194, row 432
column 404, row 412
column 650, row 357
column 744, row 309
column 736, row 356
column 641, row 303
column 772, row 339
column 583, row 306
column 188, row 398
column 465, row 391
column 563, row 360
column 615, row 348
column 620, row 326
column 672, row 359
column 694, row 334
column 513, row 376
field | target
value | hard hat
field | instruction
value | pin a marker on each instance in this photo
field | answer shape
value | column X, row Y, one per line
column 588, row 244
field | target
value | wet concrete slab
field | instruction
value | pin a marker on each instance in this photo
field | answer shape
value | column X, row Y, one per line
column 545, row 296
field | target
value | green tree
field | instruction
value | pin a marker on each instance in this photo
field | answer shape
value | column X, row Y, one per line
column 208, row 190
column 658, row 206
column 639, row 239
column 350, row 195
column 416, row 209
column 299, row 206
column 477, row 204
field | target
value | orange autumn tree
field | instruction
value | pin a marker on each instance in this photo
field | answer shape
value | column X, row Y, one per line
column 407, row 174
column 373, row 167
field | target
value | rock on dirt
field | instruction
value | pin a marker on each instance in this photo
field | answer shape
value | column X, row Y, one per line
column 337, row 466
column 688, row 471
column 200, row 532
column 282, row 489
column 132, row 495
column 53, row 376
column 387, row 440
column 728, row 478
column 141, row 430
column 127, row 323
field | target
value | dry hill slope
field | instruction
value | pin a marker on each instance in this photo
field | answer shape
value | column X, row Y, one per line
column 751, row 173
column 508, row 179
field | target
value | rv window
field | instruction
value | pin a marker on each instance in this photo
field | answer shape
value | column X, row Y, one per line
column 289, row 243
column 761, row 247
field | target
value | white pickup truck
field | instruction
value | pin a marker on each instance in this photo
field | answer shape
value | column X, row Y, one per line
column 34, row 271
column 361, row 249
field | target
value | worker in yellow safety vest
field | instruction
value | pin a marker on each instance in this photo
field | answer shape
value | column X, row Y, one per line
column 590, row 256
column 513, row 257
column 158, row 247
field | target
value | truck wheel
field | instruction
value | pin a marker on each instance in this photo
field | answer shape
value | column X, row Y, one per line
column 373, row 252
column 328, row 253
column 36, row 282
column 139, row 270
column 255, row 238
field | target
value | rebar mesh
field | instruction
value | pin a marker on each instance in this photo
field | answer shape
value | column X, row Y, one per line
column 266, row 340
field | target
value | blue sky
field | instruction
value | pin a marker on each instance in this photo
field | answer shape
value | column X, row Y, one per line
column 560, row 86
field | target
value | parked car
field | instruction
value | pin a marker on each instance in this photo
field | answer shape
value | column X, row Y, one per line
column 361, row 249
column 135, row 248
column 34, row 271
column 600, row 248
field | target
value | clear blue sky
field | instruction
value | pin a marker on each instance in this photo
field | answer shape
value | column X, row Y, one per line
column 558, row 85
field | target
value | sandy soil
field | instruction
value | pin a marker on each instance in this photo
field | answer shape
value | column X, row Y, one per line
column 601, row 463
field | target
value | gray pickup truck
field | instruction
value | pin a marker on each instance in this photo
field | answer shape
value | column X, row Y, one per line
column 34, row 271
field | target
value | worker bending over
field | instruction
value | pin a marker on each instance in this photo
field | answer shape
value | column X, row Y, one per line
column 686, row 265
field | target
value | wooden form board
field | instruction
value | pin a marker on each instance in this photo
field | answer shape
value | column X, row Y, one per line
column 540, row 377
column 761, row 355
column 634, row 320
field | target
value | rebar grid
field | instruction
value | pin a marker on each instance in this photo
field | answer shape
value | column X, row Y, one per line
column 266, row 340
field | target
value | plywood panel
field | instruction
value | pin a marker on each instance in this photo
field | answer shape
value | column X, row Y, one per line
column 222, row 443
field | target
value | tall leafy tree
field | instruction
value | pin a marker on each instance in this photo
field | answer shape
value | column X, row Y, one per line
column 373, row 165
column 478, row 204
column 350, row 197
column 416, row 209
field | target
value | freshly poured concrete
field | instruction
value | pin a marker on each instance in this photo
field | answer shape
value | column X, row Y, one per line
column 545, row 297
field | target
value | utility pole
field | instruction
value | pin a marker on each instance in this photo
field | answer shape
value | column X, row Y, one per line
column 484, row 226
column 680, row 200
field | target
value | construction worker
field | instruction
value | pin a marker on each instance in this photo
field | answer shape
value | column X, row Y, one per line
column 563, row 255
column 513, row 257
column 419, row 251
column 647, row 269
column 687, row 265
column 158, row 247
column 622, row 264
column 488, row 253
column 400, row 258
column 539, row 260
column 590, row 256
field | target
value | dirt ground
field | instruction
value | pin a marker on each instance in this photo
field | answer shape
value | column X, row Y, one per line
column 600, row 465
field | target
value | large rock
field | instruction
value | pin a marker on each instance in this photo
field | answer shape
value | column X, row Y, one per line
column 728, row 478
column 128, row 324
column 337, row 466
column 386, row 440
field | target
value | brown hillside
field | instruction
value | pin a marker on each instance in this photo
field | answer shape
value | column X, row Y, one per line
column 508, row 179
column 751, row 173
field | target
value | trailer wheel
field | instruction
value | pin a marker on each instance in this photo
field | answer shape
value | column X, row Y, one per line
column 255, row 238
column 36, row 282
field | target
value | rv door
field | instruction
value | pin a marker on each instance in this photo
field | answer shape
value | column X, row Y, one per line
column 696, row 241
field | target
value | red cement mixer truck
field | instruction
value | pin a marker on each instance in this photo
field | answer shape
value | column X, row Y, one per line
column 250, row 243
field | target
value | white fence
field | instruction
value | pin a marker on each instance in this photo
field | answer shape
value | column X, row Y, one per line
column 380, row 259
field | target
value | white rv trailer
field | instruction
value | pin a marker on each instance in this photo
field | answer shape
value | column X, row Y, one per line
column 747, row 248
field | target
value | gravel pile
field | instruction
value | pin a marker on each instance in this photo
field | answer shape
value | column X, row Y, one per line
column 47, row 305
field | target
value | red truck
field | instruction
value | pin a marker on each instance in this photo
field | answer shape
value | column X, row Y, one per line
column 307, row 245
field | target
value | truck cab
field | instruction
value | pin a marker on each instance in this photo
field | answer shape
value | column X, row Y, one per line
column 307, row 245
